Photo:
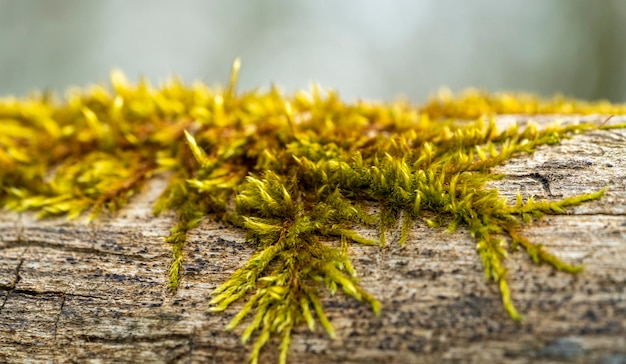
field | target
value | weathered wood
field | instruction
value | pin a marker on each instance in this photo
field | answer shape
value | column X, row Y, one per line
column 74, row 292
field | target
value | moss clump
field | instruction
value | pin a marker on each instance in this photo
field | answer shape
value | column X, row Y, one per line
column 293, row 172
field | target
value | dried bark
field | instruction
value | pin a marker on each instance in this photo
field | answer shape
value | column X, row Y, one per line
column 75, row 292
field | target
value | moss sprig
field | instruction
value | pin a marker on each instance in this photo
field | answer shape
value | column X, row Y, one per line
column 300, row 174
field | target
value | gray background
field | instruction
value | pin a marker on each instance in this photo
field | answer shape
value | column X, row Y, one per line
column 365, row 49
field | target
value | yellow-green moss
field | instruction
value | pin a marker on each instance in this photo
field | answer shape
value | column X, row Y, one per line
column 292, row 171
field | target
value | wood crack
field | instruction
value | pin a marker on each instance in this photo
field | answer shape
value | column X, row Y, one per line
column 56, row 321
column 135, row 339
column 63, row 295
column 4, row 301
column 11, row 288
column 543, row 180
column 47, row 245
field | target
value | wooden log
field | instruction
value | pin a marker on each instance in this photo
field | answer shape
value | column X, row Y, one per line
column 77, row 292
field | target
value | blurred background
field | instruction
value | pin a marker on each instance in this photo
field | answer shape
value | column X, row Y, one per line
column 365, row 49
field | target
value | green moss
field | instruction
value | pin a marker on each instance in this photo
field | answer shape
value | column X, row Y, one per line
column 293, row 172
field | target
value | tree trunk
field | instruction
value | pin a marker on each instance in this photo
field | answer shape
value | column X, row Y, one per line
column 75, row 292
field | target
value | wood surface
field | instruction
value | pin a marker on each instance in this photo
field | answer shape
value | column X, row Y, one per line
column 78, row 292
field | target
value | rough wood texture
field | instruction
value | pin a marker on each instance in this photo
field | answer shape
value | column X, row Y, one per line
column 75, row 292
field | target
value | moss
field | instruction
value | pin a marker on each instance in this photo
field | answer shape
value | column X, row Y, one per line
column 292, row 171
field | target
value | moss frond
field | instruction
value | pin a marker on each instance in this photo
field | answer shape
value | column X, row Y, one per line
column 300, row 174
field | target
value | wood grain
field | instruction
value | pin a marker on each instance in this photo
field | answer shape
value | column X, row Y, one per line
column 77, row 292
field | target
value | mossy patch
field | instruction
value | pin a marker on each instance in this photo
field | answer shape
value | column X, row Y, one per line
column 292, row 171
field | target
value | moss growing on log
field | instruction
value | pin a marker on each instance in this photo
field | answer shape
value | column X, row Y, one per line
column 294, row 172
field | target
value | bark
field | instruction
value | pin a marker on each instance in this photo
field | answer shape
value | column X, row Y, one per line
column 76, row 292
